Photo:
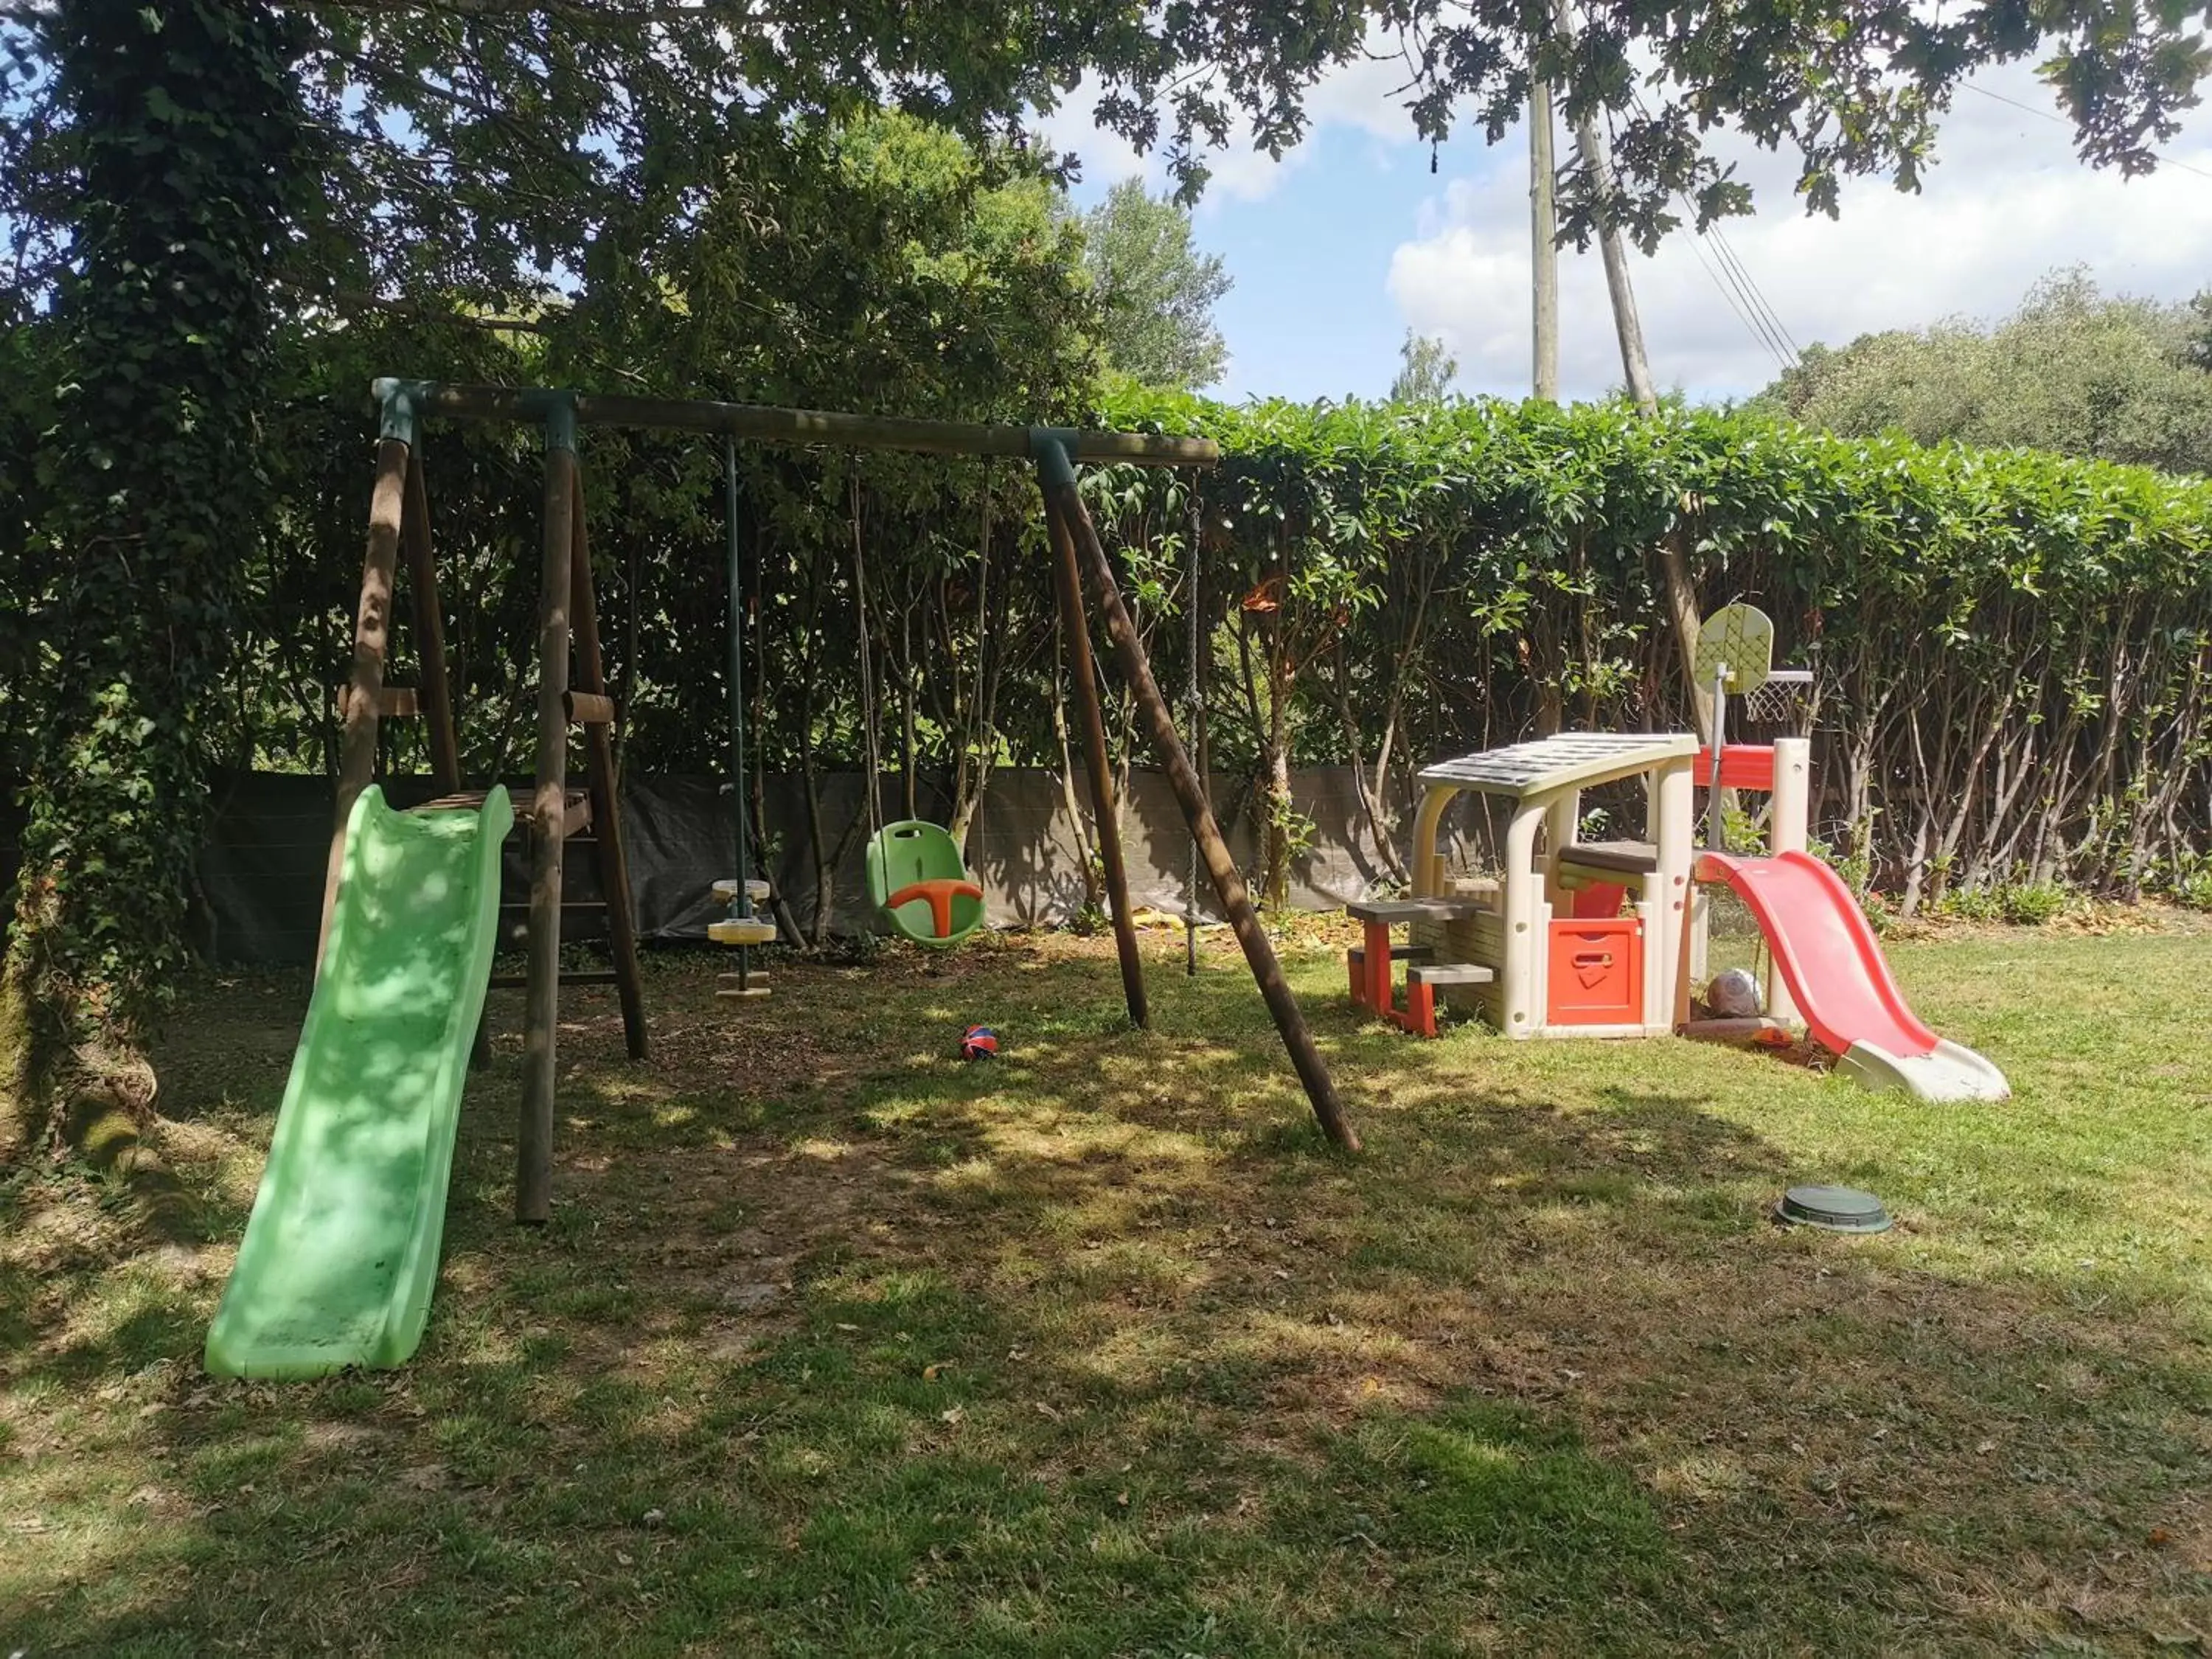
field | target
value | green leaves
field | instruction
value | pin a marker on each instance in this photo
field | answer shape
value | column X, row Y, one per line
column 1154, row 290
column 1918, row 580
column 2070, row 371
column 151, row 486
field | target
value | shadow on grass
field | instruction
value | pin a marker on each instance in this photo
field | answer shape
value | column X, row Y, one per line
column 836, row 1345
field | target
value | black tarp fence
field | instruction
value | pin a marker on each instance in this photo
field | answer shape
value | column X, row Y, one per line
column 259, row 879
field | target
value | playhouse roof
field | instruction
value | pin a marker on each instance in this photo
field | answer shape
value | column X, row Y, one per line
column 1572, row 760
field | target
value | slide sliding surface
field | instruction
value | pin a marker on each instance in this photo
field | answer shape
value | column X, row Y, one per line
column 1835, row 970
column 341, row 1253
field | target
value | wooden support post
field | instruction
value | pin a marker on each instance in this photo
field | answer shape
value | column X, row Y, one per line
column 435, row 700
column 1063, row 507
column 599, row 764
column 372, row 641
column 533, row 1144
column 1075, row 630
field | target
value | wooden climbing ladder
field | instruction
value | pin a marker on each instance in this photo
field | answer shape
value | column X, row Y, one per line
column 552, row 814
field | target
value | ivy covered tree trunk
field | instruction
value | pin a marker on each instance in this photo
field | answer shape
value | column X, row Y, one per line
column 189, row 139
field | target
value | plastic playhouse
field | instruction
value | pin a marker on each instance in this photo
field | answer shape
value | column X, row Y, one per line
column 1606, row 939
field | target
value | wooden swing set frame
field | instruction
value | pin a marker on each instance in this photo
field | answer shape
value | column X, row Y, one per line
column 399, row 524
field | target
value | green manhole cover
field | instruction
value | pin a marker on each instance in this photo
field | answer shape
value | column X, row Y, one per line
column 1836, row 1209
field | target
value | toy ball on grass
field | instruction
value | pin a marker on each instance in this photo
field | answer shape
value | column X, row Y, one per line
column 981, row 1042
column 1733, row 994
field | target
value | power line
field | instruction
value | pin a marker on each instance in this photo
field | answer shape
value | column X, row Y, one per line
column 1755, row 312
column 1773, row 313
column 1740, row 299
column 1741, row 315
column 2053, row 115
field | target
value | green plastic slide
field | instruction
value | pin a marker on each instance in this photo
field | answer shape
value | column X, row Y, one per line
column 341, row 1253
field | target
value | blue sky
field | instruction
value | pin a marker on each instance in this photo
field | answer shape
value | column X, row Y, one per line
column 1311, row 315
column 1349, row 241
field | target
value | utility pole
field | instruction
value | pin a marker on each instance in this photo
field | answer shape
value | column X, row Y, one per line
column 1596, row 147
column 1544, row 239
column 1633, row 362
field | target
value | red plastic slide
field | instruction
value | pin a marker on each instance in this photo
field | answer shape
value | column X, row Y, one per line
column 1828, row 953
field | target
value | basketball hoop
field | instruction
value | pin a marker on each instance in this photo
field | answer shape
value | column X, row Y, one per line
column 1785, row 699
column 1735, row 656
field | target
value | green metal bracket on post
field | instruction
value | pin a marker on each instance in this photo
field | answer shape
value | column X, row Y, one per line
column 396, row 409
column 561, row 422
column 1054, row 449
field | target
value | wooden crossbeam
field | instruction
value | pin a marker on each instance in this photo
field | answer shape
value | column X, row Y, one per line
column 393, row 702
column 768, row 424
column 588, row 708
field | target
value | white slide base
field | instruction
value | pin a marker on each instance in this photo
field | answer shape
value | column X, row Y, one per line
column 1952, row 1072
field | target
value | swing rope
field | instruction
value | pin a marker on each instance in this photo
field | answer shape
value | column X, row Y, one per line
column 984, row 699
column 1197, row 703
column 758, row 803
column 869, row 711
column 741, row 904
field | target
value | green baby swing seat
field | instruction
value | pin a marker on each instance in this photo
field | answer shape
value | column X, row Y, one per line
column 917, row 878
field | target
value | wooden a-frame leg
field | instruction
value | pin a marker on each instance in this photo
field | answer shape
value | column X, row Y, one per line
column 606, row 803
column 372, row 642
column 533, row 1144
column 1064, row 501
column 436, row 692
column 1082, row 674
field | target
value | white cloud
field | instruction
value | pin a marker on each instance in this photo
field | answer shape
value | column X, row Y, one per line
column 1367, row 93
column 2007, row 202
column 1240, row 172
column 1362, row 95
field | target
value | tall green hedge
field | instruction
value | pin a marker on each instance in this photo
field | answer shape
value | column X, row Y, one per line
column 2010, row 648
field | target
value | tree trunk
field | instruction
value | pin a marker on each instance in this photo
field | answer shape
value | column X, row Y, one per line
column 1276, row 888
column 158, row 497
column 1279, row 819
column 1372, row 803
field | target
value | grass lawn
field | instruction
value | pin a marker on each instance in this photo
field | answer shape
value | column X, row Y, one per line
column 838, row 1345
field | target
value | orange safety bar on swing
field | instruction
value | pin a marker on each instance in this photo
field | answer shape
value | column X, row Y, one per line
column 939, row 892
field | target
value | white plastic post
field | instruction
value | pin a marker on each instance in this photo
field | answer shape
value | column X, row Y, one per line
column 1788, row 815
column 1521, row 999
column 1428, row 859
column 1674, row 829
column 1788, row 821
column 1563, row 817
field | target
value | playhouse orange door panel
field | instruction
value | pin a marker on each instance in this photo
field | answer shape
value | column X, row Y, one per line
column 1596, row 973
